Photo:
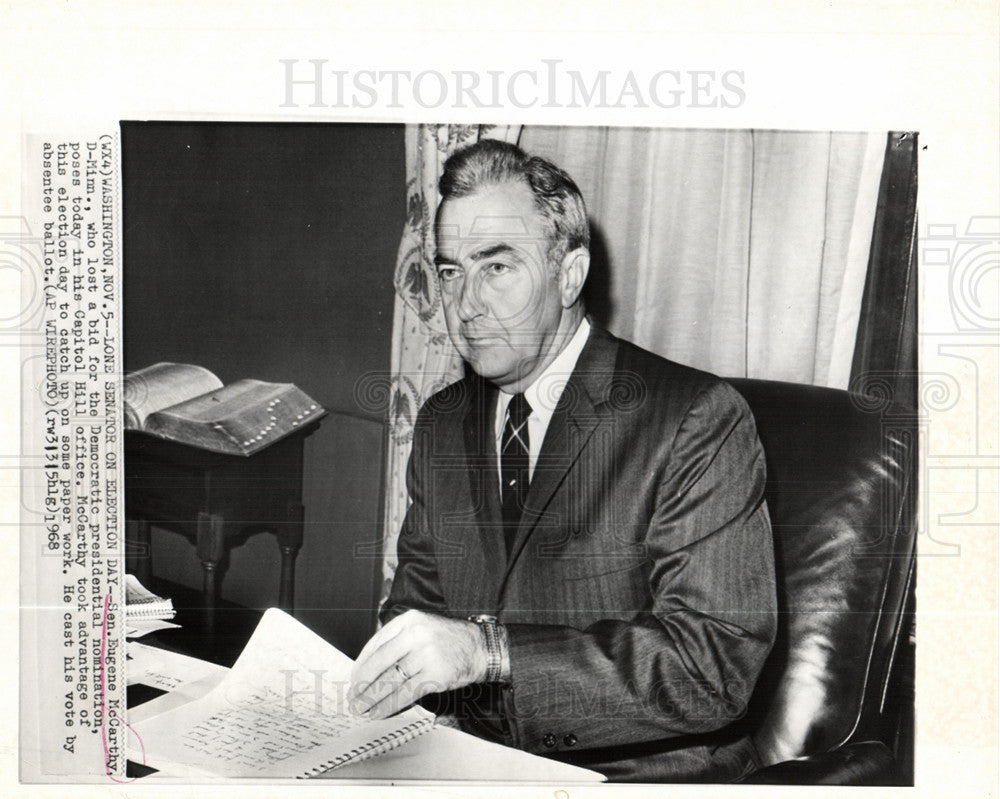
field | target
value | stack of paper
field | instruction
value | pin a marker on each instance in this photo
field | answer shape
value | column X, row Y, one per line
column 281, row 711
column 182, row 679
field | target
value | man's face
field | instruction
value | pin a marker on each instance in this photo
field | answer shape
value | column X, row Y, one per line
column 501, row 295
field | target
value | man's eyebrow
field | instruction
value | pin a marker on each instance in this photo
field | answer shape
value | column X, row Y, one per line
column 494, row 249
column 481, row 255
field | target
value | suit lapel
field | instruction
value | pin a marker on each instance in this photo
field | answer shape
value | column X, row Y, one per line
column 484, row 481
column 578, row 413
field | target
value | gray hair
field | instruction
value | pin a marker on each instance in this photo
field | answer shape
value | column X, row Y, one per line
column 489, row 162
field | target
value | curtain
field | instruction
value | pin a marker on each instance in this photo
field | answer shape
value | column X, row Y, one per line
column 740, row 252
column 423, row 359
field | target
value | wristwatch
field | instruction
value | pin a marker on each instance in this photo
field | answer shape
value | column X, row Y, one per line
column 494, row 650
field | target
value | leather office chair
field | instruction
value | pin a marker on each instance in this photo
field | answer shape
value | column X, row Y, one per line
column 841, row 491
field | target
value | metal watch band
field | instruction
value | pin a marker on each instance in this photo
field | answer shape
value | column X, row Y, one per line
column 494, row 656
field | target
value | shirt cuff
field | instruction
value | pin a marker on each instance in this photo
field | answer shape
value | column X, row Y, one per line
column 504, row 654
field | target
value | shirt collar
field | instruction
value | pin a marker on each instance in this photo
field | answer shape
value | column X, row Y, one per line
column 544, row 393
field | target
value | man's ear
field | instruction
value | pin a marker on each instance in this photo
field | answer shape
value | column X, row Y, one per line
column 573, row 274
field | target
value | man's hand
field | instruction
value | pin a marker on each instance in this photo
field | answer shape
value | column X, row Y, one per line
column 413, row 655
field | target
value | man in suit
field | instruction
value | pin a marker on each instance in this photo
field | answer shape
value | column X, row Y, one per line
column 586, row 569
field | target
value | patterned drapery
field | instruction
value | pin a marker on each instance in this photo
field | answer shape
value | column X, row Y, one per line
column 423, row 358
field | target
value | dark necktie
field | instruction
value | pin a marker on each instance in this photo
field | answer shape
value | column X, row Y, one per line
column 514, row 466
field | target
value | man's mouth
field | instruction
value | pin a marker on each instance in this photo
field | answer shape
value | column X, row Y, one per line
column 474, row 338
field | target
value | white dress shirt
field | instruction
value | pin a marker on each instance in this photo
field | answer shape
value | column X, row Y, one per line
column 543, row 396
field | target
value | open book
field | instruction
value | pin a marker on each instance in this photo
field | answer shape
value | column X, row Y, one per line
column 189, row 404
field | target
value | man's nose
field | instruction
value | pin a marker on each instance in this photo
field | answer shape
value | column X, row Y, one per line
column 470, row 300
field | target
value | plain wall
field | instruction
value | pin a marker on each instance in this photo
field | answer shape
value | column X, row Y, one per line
column 267, row 251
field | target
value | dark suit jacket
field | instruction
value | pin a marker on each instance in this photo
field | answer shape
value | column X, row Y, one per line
column 639, row 598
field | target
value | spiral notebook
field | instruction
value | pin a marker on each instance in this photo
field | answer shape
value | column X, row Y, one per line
column 141, row 603
column 280, row 712
column 374, row 748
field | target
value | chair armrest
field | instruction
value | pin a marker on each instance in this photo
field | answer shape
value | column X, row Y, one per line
column 863, row 763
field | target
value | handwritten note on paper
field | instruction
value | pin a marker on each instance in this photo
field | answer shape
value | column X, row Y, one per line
column 280, row 712
column 159, row 668
column 261, row 735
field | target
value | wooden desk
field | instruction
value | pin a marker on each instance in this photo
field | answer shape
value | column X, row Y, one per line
column 216, row 501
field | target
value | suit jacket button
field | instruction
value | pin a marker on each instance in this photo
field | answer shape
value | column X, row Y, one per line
column 549, row 740
column 570, row 740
